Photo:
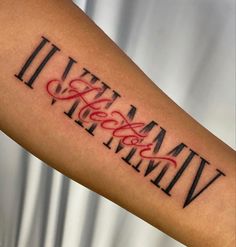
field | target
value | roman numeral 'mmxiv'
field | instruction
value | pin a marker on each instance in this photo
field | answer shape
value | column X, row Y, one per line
column 30, row 60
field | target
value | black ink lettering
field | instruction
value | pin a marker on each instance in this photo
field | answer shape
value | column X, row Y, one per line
column 177, row 150
column 190, row 196
column 31, row 58
column 72, row 109
column 114, row 97
column 147, row 128
column 41, row 66
column 98, row 95
column 179, row 172
column 129, row 156
column 85, row 72
column 151, row 167
column 160, row 176
column 136, row 167
column 64, row 75
column 159, row 139
column 120, row 146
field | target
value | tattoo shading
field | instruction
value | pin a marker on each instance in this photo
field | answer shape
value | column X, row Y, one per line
column 93, row 108
column 42, row 64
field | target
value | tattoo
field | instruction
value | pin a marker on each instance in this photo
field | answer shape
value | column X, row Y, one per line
column 93, row 109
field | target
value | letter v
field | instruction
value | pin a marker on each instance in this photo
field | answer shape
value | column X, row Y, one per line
column 190, row 197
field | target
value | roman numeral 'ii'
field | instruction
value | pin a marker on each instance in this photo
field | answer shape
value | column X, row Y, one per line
column 31, row 58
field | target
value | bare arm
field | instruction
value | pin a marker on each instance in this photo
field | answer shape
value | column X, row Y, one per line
column 71, row 97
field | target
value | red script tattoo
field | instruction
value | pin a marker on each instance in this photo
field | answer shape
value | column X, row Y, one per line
column 128, row 132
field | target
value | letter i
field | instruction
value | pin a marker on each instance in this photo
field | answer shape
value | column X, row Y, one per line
column 30, row 60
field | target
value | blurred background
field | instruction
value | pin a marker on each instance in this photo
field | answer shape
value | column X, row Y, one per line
column 187, row 47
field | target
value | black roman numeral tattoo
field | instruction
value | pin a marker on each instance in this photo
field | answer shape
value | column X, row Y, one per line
column 42, row 64
column 92, row 108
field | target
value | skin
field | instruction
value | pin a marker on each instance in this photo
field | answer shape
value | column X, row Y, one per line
column 28, row 117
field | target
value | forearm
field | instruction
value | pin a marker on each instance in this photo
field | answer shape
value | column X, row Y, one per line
column 89, row 112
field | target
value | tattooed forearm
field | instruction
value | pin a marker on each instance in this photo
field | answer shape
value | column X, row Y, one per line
column 139, row 143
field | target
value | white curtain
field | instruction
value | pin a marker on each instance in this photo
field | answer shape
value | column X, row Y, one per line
column 187, row 48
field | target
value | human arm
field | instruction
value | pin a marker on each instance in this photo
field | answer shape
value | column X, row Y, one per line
column 104, row 60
